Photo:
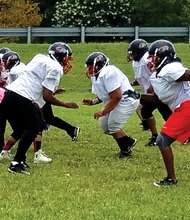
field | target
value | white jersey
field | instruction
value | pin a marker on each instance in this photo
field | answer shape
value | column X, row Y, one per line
column 109, row 79
column 169, row 91
column 41, row 71
column 15, row 72
column 142, row 73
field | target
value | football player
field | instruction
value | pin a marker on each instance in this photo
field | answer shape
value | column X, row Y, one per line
column 33, row 88
column 138, row 54
column 112, row 87
column 170, row 83
column 13, row 67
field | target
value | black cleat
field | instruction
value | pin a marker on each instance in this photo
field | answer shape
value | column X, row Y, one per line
column 25, row 164
column 133, row 142
column 16, row 167
column 124, row 154
column 151, row 142
column 76, row 134
column 128, row 153
column 165, row 182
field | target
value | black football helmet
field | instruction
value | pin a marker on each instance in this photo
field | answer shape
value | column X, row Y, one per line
column 4, row 50
column 62, row 53
column 161, row 51
column 10, row 59
column 137, row 48
column 95, row 62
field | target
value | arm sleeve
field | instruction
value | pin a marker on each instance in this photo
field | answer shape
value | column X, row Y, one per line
column 52, row 80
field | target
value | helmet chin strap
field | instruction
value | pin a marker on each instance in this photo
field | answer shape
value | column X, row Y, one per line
column 14, row 64
column 94, row 64
column 155, row 55
column 52, row 56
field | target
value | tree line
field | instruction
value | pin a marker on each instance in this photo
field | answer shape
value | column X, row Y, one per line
column 147, row 13
column 98, row 13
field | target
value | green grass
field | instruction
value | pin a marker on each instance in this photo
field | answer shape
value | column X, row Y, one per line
column 86, row 180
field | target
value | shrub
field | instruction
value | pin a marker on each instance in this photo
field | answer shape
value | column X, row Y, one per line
column 99, row 13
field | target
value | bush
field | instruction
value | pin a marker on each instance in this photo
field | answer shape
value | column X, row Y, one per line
column 99, row 13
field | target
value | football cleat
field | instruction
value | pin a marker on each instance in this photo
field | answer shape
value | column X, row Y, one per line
column 76, row 134
column 41, row 157
column 165, row 182
column 16, row 167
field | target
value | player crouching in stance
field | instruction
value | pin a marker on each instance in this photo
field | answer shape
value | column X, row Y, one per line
column 13, row 67
column 113, row 88
column 35, row 86
column 169, row 81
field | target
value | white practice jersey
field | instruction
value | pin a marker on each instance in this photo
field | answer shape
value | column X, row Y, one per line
column 169, row 91
column 15, row 72
column 142, row 73
column 110, row 78
column 41, row 71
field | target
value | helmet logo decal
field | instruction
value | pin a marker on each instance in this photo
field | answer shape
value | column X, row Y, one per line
column 61, row 50
column 163, row 49
column 142, row 45
column 98, row 58
column 13, row 57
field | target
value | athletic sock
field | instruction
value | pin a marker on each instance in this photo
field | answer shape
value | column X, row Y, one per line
column 37, row 146
column 8, row 145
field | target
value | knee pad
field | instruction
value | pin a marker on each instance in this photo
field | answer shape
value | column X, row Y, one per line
column 164, row 140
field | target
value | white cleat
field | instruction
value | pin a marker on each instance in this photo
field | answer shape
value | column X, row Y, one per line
column 40, row 157
column 5, row 155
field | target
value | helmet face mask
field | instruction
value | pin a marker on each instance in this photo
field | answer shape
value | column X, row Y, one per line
column 90, row 71
column 95, row 63
column 160, row 51
column 154, row 61
column 130, row 56
column 66, row 63
column 137, row 48
column 63, row 54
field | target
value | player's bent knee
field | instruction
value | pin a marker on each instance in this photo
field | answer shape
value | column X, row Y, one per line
column 164, row 140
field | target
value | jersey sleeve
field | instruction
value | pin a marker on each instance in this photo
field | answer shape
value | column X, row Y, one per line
column 52, row 80
column 175, row 71
column 112, row 81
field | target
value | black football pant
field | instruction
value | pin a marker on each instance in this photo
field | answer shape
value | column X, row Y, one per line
column 148, row 109
column 49, row 118
column 24, row 120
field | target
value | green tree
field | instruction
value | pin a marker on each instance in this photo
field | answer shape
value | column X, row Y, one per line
column 19, row 13
column 47, row 9
column 160, row 13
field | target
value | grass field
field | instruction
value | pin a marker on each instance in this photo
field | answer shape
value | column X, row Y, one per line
column 86, row 180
